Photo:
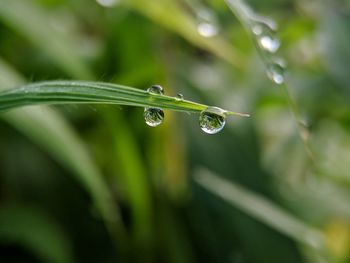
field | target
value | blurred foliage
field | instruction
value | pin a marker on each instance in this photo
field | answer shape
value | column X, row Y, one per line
column 95, row 184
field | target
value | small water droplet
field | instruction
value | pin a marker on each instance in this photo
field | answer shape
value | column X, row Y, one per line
column 179, row 96
column 257, row 29
column 212, row 120
column 153, row 116
column 107, row 3
column 156, row 89
column 265, row 34
column 262, row 24
column 269, row 43
column 206, row 29
column 276, row 71
column 207, row 25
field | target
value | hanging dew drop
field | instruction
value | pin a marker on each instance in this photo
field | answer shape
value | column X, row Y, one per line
column 154, row 116
column 212, row 120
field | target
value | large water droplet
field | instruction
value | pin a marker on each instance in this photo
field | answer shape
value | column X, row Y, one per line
column 212, row 120
column 154, row 116
column 276, row 71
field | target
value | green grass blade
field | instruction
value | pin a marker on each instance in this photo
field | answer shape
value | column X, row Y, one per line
column 74, row 92
column 261, row 209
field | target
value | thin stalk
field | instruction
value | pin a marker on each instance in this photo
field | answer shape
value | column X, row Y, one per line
column 247, row 18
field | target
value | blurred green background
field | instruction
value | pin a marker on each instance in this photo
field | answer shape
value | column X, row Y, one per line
column 96, row 184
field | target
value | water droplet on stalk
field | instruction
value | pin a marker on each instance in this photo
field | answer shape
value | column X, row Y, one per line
column 207, row 25
column 154, row 116
column 156, row 89
column 269, row 43
column 107, row 3
column 212, row 120
column 257, row 29
column 265, row 34
column 206, row 29
column 262, row 24
column 179, row 97
column 276, row 71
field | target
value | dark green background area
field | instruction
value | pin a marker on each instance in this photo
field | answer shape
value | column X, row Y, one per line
column 104, row 187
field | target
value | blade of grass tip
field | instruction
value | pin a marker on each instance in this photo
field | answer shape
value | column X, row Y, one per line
column 36, row 232
column 233, row 113
column 248, row 18
column 261, row 209
column 74, row 92
column 29, row 19
column 48, row 129
column 169, row 14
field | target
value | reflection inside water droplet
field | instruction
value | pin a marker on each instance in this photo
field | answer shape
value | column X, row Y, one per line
column 153, row 116
column 212, row 120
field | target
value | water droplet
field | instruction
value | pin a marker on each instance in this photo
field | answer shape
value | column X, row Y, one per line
column 153, row 116
column 107, row 3
column 179, row 96
column 257, row 29
column 207, row 25
column 269, row 43
column 206, row 29
column 212, row 120
column 265, row 31
column 156, row 89
column 276, row 71
column 262, row 24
